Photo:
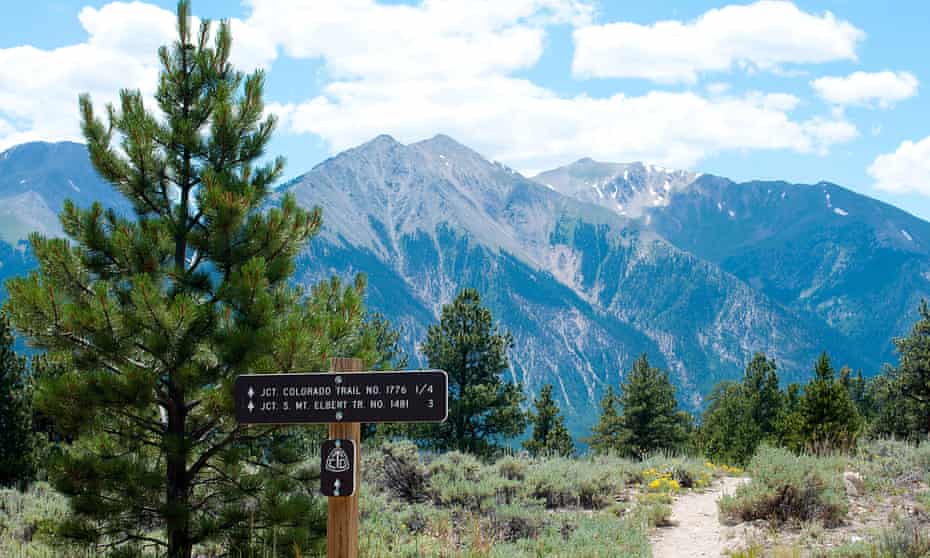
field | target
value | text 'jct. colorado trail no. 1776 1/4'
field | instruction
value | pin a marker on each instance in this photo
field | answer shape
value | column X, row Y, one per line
column 326, row 397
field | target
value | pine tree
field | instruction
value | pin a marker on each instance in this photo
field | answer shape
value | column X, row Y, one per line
column 893, row 413
column 741, row 416
column 550, row 436
column 914, row 365
column 156, row 316
column 728, row 432
column 857, row 388
column 791, row 424
column 17, row 457
column 829, row 416
column 483, row 408
column 605, row 435
column 649, row 420
column 765, row 399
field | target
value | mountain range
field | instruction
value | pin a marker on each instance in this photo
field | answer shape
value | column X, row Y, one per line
column 588, row 265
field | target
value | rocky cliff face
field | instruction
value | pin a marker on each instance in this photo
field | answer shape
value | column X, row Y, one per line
column 584, row 286
column 587, row 265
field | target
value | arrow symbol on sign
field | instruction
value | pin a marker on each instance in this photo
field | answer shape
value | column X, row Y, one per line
column 251, row 407
column 251, row 392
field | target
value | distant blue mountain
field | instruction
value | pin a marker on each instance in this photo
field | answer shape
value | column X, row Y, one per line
column 589, row 265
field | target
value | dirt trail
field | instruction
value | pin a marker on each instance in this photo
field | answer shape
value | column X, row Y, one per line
column 696, row 529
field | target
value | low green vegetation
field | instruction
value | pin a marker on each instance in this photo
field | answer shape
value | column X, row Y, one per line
column 450, row 504
column 904, row 539
column 519, row 506
column 787, row 488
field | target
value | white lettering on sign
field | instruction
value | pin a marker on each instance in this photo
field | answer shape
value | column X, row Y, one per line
column 295, row 398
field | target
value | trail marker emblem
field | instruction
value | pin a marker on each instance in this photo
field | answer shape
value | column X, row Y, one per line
column 337, row 468
column 337, row 461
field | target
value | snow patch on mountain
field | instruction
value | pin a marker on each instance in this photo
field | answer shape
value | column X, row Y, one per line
column 630, row 189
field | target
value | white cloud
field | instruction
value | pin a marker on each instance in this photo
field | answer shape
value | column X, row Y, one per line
column 362, row 38
column 531, row 128
column 905, row 170
column 446, row 66
column 416, row 70
column 867, row 89
column 763, row 35
column 39, row 88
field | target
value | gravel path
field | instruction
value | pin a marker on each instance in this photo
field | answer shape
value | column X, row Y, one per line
column 696, row 529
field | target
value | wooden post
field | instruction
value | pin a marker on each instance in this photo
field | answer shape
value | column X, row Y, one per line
column 342, row 521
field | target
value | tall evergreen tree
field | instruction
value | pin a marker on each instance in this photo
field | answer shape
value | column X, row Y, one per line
column 914, row 365
column 550, row 436
column 483, row 408
column 829, row 416
column 157, row 315
column 605, row 435
column 765, row 399
column 17, row 458
column 741, row 416
column 790, row 425
column 650, row 419
column 728, row 433
column 857, row 387
column 892, row 412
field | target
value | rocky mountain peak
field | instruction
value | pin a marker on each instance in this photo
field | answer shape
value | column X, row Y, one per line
column 626, row 188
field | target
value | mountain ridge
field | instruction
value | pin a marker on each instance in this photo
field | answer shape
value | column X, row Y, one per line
column 585, row 287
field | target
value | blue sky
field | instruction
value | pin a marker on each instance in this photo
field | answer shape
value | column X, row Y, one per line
column 803, row 91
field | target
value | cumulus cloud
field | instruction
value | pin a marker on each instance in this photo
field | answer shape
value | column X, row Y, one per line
column 416, row 70
column 39, row 88
column 867, row 89
column 764, row 35
column 907, row 169
column 413, row 71
column 531, row 128
column 362, row 38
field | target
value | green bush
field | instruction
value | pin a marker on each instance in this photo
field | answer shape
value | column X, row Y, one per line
column 789, row 488
column 887, row 465
column 908, row 539
column 459, row 479
column 574, row 483
column 396, row 468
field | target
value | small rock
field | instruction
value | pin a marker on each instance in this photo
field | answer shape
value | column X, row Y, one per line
column 853, row 483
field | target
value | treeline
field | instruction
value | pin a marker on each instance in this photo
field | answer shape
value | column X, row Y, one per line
column 832, row 411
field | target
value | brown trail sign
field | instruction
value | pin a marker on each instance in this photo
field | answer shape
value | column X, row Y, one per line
column 343, row 398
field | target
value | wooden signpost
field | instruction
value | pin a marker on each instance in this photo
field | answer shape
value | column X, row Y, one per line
column 343, row 398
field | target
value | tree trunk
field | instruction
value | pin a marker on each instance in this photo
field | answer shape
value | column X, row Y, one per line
column 178, row 496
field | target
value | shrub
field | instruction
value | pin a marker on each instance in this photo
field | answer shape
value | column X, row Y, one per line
column 656, row 508
column 887, row 465
column 399, row 471
column 685, row 472
column 908, row 539
column 512, row 471
column 789, row 488
column 511, row 523
column 459, row 479
column 512, row 468
column 567, row 483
